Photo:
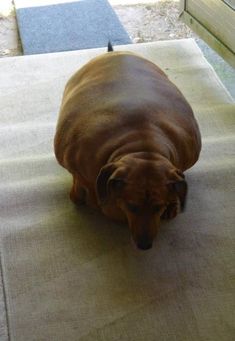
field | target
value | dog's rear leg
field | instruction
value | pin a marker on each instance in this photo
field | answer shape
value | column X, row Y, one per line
column 77, row 193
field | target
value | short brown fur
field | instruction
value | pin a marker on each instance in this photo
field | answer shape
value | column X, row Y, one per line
column 127, row 134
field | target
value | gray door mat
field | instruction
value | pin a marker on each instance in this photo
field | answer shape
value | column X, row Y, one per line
column 68, row 26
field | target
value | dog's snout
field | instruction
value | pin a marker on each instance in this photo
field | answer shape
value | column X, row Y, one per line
column 144, row 244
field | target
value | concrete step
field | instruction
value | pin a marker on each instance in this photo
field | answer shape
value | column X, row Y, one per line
column 31, row 89
column 37, row 73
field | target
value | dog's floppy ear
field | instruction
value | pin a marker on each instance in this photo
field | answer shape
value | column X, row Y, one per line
column 179, row 185
column 107, row 181
column 181, row 189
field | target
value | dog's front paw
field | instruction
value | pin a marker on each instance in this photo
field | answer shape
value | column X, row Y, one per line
column 171, row 211
column 78, row 196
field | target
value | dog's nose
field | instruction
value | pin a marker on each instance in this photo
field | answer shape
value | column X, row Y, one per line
column 144, row 244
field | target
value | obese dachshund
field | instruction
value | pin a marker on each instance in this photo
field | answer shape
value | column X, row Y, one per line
column 126, row 134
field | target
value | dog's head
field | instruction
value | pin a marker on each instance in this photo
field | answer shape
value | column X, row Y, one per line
column 143, row 190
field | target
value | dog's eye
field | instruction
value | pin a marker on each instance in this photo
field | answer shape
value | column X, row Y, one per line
column 133, row 208
column 156, row 208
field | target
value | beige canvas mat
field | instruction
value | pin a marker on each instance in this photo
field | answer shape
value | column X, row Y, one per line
column 73, row 275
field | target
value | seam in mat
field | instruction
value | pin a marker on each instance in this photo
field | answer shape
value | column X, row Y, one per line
column 5, row 299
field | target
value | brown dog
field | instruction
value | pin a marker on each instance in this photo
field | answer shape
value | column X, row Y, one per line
column 127, row 134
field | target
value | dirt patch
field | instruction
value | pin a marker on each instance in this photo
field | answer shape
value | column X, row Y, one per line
column 143, row 22
column 159, row 21
column 9, row 38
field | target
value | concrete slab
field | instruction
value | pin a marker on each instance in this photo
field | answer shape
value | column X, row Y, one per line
column 225, row 72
